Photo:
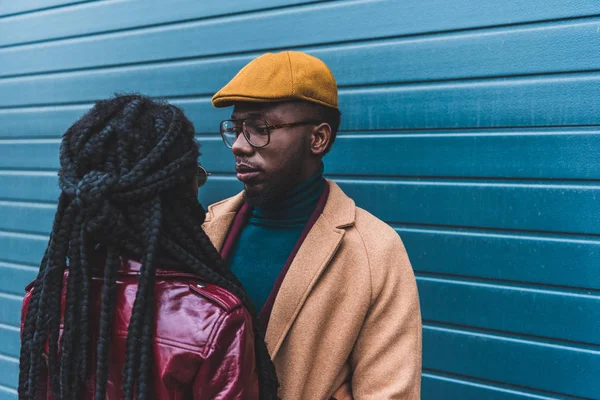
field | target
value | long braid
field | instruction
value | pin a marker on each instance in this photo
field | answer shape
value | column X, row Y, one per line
column 146, row 355
column 84, row 337
column 41, row 323
column 228, row 281
column 29, row 326
column 71, row 331
column 126, row 170
column 265, row 367
column 48, row 313
column 106, row 319
column 140, row 330
column 268, row 381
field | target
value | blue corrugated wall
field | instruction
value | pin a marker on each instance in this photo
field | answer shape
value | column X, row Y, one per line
column 470, row 126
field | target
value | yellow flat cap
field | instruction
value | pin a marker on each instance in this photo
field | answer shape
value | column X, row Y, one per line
column 272, row 77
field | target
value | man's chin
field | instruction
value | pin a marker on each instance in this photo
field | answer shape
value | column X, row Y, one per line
column 253, row 189
column 259, row 195
column 252, row 192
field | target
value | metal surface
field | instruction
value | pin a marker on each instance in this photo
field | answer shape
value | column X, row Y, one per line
column 470, row 126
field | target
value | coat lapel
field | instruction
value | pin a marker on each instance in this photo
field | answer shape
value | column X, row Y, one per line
column 220, row 217
column 312, row 259
column 317, row 250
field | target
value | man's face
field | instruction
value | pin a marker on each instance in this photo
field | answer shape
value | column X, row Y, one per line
column 269, row 172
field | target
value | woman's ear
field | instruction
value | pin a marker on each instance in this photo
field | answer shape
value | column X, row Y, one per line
column 320, row 139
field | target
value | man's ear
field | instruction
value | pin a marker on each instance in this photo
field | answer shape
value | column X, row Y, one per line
column 320, row 139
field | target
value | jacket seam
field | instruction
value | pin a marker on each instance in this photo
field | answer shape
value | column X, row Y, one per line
column 212, row 342
column 161, row 274
column 215, row 298
column 368, row 264
column 178, row 345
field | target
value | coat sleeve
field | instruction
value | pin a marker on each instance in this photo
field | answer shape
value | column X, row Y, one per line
column 386, row 359
column 229, row 370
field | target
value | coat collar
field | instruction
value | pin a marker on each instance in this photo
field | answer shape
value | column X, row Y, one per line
column 219, row 218
column 312, row 259
column 340, row 209
column 340, row 212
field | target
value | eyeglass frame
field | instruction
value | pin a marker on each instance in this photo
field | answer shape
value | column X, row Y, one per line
column 201, row 171
column 268, row 127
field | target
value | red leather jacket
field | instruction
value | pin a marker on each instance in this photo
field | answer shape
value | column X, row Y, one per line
column 203, row 342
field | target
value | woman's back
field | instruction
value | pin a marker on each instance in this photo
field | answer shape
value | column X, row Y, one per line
column 95, row 327
column 203, row 340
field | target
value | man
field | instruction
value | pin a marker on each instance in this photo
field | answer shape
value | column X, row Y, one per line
column 334, row 284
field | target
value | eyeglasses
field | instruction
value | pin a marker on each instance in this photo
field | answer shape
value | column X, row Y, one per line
column 257, row 131
column 201, row 175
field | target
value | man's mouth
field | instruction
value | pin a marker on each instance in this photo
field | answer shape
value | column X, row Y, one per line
column 246, row 173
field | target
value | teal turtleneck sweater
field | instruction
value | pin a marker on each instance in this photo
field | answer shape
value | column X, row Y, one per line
column 269, row 237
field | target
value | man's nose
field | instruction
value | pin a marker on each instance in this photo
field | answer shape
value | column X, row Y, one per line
column 241, row 146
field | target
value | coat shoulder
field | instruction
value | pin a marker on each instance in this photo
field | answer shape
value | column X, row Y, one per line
column 373, row 230
column 383, row 245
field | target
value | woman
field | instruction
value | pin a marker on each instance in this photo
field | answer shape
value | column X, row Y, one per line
column 148, row 308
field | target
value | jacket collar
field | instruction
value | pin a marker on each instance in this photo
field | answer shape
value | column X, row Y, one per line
column 340, row 212
column 312, row 259
column 219, row 218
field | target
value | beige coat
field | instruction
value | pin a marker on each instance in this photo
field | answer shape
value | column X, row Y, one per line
column 347, row 309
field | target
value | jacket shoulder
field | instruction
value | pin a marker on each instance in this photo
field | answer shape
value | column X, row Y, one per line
column 383, row 246
column 373, row 230
column 191, row 312
column 197, row 288
column 219, row 296
column 171, row 281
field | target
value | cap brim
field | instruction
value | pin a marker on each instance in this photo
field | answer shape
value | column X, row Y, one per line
column 231, row 100
column 228, row 101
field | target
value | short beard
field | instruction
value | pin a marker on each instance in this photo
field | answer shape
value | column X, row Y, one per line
column 277, row 188
column 271, row 196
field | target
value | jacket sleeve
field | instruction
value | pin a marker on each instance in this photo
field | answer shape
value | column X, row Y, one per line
column 229, row 370
column 386, row 359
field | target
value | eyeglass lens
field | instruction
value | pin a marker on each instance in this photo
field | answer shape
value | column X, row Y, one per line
column 255, row 131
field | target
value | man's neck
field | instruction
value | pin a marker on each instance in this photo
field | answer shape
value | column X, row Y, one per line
column 298, row 201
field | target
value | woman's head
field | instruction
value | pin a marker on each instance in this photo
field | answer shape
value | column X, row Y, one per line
column 127, row 178
column 126, row 151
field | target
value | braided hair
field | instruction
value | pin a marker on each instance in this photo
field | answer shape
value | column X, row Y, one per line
column 126, row 174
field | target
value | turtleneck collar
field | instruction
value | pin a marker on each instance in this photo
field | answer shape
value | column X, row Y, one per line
column 298, row 204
